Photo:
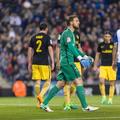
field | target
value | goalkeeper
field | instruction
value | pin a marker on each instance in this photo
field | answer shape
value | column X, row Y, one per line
column 68, row 71
column 69, row 90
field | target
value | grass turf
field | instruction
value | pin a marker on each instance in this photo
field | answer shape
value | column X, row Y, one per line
column 25, row 109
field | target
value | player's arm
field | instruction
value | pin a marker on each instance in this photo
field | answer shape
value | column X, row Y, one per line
column 51, row 53
column 80, row 48
column 74, row 50
column 58, row 53
column 78, row 54
column 50, row 49
column 84, row 59
column 97, row 57
column 114, row 55
column 30, row 55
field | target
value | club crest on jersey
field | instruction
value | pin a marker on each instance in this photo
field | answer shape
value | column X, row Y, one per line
column 111, row 46
column 68, row 39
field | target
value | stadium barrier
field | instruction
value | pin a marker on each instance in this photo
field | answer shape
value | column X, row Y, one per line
column 90, row 90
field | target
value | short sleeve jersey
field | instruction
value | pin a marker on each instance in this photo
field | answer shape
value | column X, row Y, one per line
column 105, row 50
column 40, row 43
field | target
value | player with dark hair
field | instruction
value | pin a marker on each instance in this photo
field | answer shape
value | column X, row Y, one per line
column 40, row 48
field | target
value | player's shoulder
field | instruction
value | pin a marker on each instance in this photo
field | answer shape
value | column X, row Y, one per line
column 101, row 43
column 66, row 32
column 42, row 36
column 36, row 36
column 33, row 36
column 111, row 43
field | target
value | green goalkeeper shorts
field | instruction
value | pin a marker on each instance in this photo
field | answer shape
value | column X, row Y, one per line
column 68, row 73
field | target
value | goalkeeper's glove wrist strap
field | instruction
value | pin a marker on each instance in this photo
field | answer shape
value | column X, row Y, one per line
column 79, row 58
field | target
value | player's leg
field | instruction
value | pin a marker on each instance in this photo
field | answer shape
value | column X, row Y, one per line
column 111, row 91
column 102, row 91
column 51, row 94
column 36, row 76
column 67, row 96
column 81, row 95
column 60, row 84
column 80, row 92
column 45, row 87
column 73, row 87
column 112, row 78
column 76, row 78
column 53, row 91
column 37, row 87
column 69, row 90
column 37, row 92
column 46, row 75
column 103, row 76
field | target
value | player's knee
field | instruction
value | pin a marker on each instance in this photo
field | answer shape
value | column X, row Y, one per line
column 48, row 83
column 60, row 84
column 102, row 81
column 66, row 89
column 112, row 83
column 72, row 90
column 37, row 82
column 78, row 81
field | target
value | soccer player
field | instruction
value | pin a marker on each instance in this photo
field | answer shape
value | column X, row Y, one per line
column 104, row 53
column 68, row 70
column 40, row 47
column 116, row 53
column 69, row 90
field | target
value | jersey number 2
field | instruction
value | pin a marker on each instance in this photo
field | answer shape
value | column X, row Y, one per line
column 38, row 43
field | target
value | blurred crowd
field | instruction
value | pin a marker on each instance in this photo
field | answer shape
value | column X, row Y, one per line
column 20, row 19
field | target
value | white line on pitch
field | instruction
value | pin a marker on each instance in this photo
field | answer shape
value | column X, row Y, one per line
column 22, row 104
column 92, row 118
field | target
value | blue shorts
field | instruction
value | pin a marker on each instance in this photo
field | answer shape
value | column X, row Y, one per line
column 118, row 71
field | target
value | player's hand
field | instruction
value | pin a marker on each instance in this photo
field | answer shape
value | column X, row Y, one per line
column 86, row 63
column 114, row 64
column 95, row 68
column 92, row 60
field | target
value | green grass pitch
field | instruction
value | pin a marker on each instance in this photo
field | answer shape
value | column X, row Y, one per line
column 12, row 108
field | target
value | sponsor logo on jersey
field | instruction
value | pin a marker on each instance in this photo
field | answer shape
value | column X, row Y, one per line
column 68, row 39
column 39, row 37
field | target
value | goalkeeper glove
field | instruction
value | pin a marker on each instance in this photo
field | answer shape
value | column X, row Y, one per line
column 86, row 61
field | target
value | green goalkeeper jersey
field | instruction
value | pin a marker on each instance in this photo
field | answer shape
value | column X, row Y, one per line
column 68, row 50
